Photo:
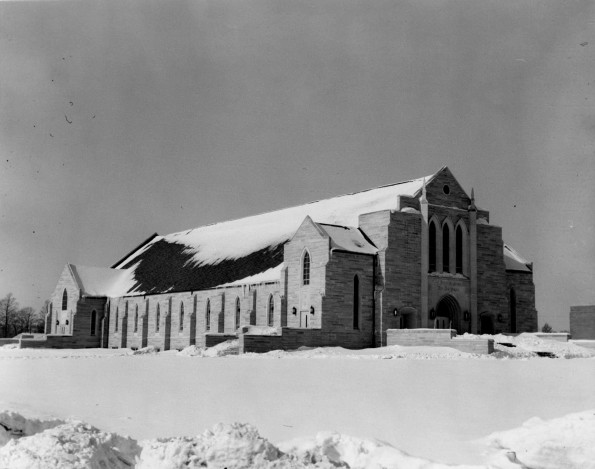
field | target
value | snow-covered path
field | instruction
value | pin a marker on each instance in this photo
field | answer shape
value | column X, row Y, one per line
column 428, row 408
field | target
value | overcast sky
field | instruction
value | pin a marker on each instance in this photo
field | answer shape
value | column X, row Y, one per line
column 121, row 119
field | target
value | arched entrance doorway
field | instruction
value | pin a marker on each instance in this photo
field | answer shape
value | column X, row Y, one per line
column 448, row 313
column 486, row 323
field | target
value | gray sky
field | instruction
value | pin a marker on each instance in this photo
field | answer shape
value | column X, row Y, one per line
column 121, row 119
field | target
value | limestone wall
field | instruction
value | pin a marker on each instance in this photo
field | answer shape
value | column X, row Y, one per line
column 180, row 326
column 438, row 338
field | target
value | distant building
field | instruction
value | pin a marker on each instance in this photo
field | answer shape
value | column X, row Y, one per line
column 340, row 271
column 582, row 322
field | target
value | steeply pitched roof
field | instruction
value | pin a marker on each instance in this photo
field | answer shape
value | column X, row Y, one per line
column 348, row 238
column 223, row 253
column 514, row 261
column 100, row 281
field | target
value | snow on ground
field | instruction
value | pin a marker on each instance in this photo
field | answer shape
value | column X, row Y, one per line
column 565, row 442
column 527, row 345
column 433, row 404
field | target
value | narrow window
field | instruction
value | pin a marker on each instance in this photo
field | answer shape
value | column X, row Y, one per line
column 147, row 309
column 93, row 321
column 432, row 247
column 117, row 318
column 208, row 316
column 306, row 269
column 238, row 313
column 157, row 318
column 459, row 250
column 356, row 301
column 64, row 300
column 271, row 310
column 446, row 248
column 181, row 316
column 126, row 310
column 512, row 308
column 136, row 319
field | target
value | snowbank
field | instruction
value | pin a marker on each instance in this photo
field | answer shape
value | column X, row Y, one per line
column 563, row 442
column 39, row 444
column 526, row 345
column 229, row 347
column 566, row 442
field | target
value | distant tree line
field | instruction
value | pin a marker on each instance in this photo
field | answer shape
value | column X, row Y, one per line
column 15, row 320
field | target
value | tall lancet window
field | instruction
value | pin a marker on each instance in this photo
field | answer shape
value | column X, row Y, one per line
column 208, row 316
column 157, row 318
column 237, row 312
column 181, row 316
column 356, row 302
column 446, row 248
column 271, row 317
column 306, row 269
column 459, row 250
column 64, row 300
column 136, row 319
column 432, row 247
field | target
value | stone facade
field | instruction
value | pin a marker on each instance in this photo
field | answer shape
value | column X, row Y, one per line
column 432, row 261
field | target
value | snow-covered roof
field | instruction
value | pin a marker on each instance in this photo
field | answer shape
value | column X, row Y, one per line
column 232, row 251
column 348, row 238
column 514, row 261
column 100, row 281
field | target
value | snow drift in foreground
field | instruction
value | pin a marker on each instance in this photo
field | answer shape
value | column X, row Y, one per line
column 566, row 442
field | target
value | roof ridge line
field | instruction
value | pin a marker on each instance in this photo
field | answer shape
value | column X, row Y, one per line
column 299, row 205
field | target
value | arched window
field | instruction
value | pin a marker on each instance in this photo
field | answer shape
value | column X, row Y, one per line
column 446, row 248
column 432, row 247
column 93, row 321
column 157, row 318
column 356, row 302
column 271, row 311
column 64, row 300
column 459, row 250
column 136, row 319
column 208, row 316
column 181, row 316
column 512, row 309
column 117, row 318
column 238, row 313
column 147, row 309
column 306, row 269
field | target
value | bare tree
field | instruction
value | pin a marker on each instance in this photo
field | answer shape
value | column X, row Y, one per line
column 8, row 309
column 26, row 320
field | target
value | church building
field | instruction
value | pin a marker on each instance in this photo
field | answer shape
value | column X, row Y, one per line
column 336, row 272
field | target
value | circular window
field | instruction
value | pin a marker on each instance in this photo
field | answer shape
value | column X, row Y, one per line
column 446, row 189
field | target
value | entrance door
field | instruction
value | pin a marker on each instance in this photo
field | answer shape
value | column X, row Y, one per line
column 442, row 322
column 486, row 324
column 448, row 314
column 304, row 319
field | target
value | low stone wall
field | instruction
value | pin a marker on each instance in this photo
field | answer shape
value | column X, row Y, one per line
column 8, row 341
column 584, row 343
column 214, row 339
column 291, row 339
column 52, row 341
column 438, row 338
column 557, row 336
